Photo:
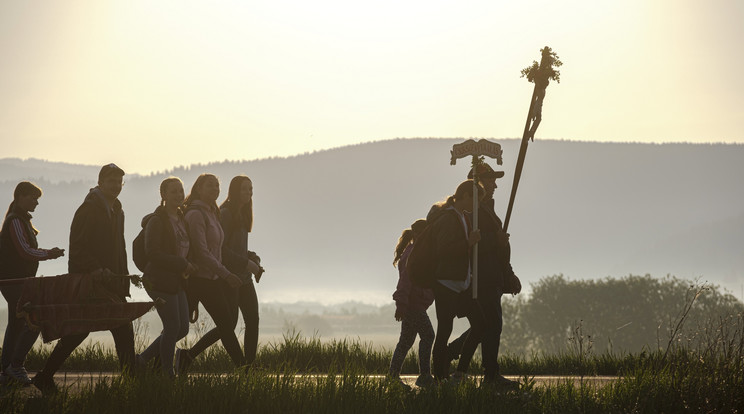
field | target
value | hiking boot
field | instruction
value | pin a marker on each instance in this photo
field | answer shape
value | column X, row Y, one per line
column 183, row 361
column 45, row 384
column 424, row 380
column 17, row 374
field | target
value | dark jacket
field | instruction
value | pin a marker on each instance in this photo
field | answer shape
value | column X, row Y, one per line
column 235, row 253
column 12, row 264
column 453, row 251
column 493, row 258
column 97, row 240
column 164, row 267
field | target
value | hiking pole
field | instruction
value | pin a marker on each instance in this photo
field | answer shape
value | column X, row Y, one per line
column 478, row 150
column 540, row 75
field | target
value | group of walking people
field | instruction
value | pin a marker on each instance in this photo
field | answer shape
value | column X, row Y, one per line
column 450, row 287
column 194, row 252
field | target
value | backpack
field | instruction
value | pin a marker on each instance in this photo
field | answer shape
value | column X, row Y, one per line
column 139, row 255
column 422, row 262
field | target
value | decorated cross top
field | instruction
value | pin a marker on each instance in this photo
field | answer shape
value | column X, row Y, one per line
column 478, row 150
column 475, row 148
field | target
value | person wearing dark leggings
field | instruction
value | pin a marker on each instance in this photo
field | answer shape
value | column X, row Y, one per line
column 19, row 259
column 213, row 284
column 236, row 217
column 167, row 248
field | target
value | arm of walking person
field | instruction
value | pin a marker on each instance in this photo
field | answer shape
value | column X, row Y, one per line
column 232, row 256
column 24, row 249
column 82, row 234
column 197, row 227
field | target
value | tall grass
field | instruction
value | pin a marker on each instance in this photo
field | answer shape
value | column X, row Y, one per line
column 308, row 375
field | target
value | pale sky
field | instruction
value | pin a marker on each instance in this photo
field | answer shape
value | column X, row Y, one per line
column 156, row 84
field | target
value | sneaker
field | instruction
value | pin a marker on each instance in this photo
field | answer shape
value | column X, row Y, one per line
column 45, row 384
column 424, row 380
column 183, row 361
column 18, row 374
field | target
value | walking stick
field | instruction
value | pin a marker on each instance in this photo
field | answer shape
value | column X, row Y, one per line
column 540, row 75
column 478, row 150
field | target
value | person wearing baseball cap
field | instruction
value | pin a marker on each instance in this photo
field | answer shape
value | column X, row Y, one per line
column 495, row 275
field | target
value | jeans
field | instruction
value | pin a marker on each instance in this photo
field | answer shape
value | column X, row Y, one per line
column 174, row 314
column 19, row 338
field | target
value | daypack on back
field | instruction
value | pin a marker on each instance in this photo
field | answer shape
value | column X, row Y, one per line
column 139, row 255
column 138, row 251
column 422, row 262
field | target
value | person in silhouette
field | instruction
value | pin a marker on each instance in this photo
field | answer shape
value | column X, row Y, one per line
column 494, row 270
column 214, row 285
column 19, row 259
column 97, row 248
column 411, row 303
column 452, row 286
column 236, row 217
column 168, row 268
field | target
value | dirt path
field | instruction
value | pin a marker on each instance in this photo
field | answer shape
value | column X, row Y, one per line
column 76, row 381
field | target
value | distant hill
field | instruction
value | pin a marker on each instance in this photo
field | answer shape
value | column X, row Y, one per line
column 327, row 222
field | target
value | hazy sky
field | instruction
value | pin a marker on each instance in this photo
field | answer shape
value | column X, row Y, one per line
column 155, row 84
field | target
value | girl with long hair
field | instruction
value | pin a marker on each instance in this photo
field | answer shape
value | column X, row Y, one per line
column 214, row 285
column 411, row 303
column 236, row 217
column 168, row 267
column 19, row 258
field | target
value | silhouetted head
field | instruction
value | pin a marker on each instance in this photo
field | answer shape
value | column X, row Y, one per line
column 240, row 197
column 487, row 178
column 418, row 227
column 171, row 192
column 206, row 188
column 25, row 199
column 407, row 237
column 111, row 180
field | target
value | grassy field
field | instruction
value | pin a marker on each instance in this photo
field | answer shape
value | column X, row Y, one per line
column 300, row 374
column 676, row 379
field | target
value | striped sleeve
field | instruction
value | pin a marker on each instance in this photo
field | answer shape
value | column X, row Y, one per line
column 18, row 235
